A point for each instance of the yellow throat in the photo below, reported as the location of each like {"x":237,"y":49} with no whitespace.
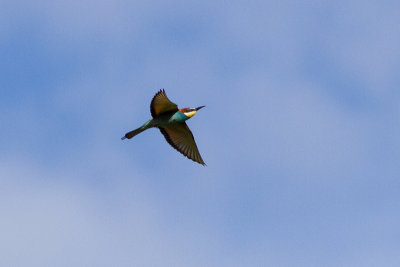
{"x":190,"y":114}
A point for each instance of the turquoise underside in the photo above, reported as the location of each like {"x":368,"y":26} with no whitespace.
{"x":166,"y":119}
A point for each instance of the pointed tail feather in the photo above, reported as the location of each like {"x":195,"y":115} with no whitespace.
{"x":131,"y":134}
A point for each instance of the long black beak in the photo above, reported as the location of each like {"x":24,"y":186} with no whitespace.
{"x":200,"y":107}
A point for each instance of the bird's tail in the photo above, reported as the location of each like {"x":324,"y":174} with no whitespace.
{"x":137,"y":131}
{"x":131,"y":134}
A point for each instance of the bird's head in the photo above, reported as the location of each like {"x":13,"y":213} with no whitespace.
{"x":189,"y":112}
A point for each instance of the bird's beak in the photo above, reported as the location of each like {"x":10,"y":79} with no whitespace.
{"x":200,"y":107}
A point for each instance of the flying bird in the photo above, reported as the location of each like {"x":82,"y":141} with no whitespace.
{"x":171,"y":122}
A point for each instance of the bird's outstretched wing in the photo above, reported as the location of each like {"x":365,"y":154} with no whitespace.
{"x":161,"y":104}
{"x":179,"y":136}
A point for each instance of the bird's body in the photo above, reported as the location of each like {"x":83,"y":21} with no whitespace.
{"x":168,"y":118}
{"x":171,"y":122}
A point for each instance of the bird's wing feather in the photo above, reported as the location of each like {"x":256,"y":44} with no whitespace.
{"x":179,"y":136}
{"x":161,"y":104}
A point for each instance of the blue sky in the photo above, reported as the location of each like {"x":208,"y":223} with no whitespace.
{"x":300,"y":133}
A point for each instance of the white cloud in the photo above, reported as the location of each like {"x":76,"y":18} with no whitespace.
{"x":285,"y":158}
{"x":51,"y":220}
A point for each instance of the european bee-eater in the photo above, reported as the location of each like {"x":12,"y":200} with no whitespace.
{"x":171,"y":122}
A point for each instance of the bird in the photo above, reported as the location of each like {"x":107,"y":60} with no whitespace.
{"x":171,"y":122}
